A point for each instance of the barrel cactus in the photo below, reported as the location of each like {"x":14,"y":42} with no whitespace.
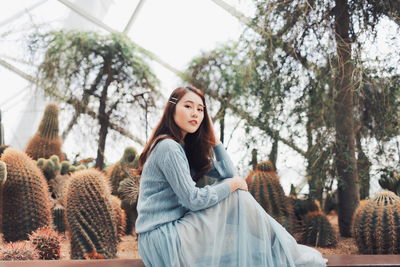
{"x":120,"y":216}
{"x":26,"y":205}
{"x":90,"y":216}
{"x":47,"y":243}
{"x":46,"y":142}
{"x":376,"y":225}
{"x":317,"y":230}
{"x":265,"y":166}
{"x":267,"y":190}
{"x":120,"y":170}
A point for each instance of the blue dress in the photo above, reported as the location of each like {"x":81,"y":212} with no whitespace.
{"x":182,"y":225}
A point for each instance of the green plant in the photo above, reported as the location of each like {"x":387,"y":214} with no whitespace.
{"x":376,"y":224}
{"x":90,"y":216}
{"x":46,"y":141}
{"x":18,"y":251}
{"x":26,"y":205}
{"x":267,"y":190}
{"x":47,"y":242}
{"x":120,"y":170}
{"x":317,"y":230}
{"x":303,"y":206}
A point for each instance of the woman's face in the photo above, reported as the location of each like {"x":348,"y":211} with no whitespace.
{"x":189,"y":113}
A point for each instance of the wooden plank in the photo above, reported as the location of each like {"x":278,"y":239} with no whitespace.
{"x":363,"y":260}
{"x":75,"y":263}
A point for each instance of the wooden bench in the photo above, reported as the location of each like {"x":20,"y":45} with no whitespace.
{"x":363,"y":260}
{"x":75,"y":263}
{"x":333,"y":261}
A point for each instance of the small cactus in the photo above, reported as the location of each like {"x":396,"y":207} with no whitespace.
{"x":18,"y":251}
{"x":376,"y":224}
{"x":120,"y":170}
{"x":317,"y":230}
{"x":47,"y":242}
{"x":390,"y":180}
{"x":90,"y":216}
{"x":46,"y":141}
{"x":128,"y":191}
{"x":59,"y":218}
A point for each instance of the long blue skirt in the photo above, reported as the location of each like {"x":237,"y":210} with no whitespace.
{"x":235,"y":232}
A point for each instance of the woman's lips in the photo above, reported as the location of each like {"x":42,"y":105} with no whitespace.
{"x":194,"y":123}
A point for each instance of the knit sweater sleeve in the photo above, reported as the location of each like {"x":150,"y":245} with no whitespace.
{"x":222,"y":165}
{"x":175,"y":167}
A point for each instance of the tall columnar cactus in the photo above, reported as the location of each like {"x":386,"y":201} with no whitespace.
{"x":317,"y":230}
{"x":47,"y":243}
{"x":121,"y":169}
{"x":376,"y":225}
{"x":267,"y":190}
{"x":90,"y":216}
{"x":46,"y":142}
{"x":26,"y":205}
{"x":59,"y":218}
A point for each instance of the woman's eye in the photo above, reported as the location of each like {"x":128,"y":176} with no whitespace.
{"x":187,"y":106}
{"x":200,"y":109}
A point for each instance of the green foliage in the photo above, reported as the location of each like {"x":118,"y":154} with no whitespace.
{"x":317,"y":230}
{"x":26,"y":200}
{"x":47,"y":242}
{"x":376,"y":224}
{"x":267,"y":190}
{"x":90,"y":216}
{"x":18,"y":251}
{"x":46,"y":141}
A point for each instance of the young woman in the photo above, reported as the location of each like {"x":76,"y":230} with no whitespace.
{"x":180,"y":224}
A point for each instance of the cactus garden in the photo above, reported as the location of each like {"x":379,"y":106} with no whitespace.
{"x":300,"y":99}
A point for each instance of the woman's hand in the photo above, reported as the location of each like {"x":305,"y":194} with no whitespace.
{"x":214,"y":140}
{"x":237,"y":183}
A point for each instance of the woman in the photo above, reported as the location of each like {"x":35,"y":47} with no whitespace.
{"x":180,"y":224}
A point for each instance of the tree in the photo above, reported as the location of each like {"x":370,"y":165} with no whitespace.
{"x":306,"y":57}
{"x":91,"y":71}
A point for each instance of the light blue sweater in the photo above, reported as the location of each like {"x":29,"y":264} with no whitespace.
{"x":167,"y":190}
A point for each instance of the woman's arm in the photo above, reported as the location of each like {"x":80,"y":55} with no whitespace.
{"x":222,"y":165}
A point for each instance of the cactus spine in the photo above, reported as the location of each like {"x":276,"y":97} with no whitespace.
{"x":59,"y":218}
{"x":46,"y":141}
{"x":376,"y":225}
{"x":90,"y":216}
{"x":26,"y":205}
{"x":317,"y":230}
{"x":267,"y":190}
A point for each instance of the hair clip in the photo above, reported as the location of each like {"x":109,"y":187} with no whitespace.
{"x":174,"y":100}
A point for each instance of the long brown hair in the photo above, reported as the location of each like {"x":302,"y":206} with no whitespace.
{"x":198,"y":145}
